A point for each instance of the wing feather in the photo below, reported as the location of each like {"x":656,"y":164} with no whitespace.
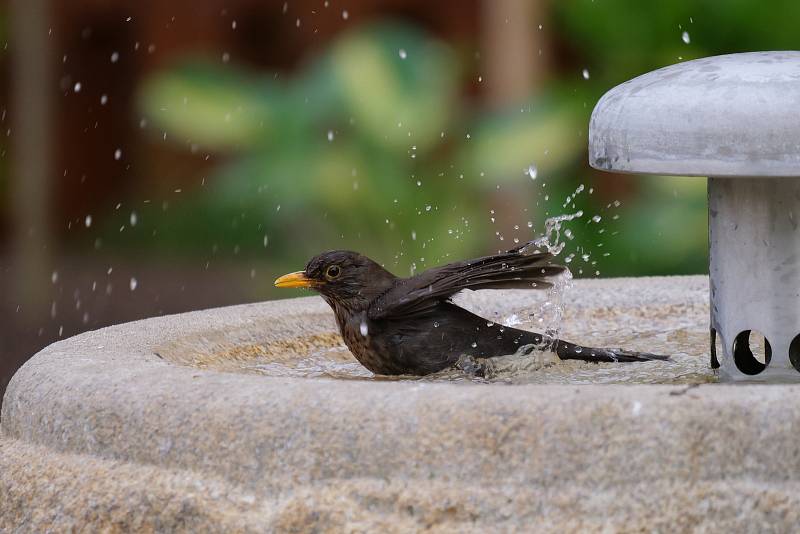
{"x":515,"y":269}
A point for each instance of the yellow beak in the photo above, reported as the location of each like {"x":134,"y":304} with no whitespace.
{"x":297,"y":279}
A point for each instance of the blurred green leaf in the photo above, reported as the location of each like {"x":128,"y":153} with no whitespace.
{"x":215,"y":107}
{"x":399,"y":85}
{"x":543,"y":136}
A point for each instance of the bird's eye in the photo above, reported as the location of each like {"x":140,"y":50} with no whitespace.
{"x":333,"y":272}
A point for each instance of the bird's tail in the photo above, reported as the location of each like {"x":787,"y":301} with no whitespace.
{"x":570,"y":351}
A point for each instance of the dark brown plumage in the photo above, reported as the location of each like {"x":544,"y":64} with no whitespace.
{"x":410,"y":326}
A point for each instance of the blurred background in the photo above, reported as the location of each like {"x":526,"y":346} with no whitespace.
{"x":164,"y":156}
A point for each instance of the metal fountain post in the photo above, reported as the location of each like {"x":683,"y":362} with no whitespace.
{"x":736,"y":120}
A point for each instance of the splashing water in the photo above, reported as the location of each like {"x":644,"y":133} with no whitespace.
{"x":549,"y":316}
{"x":551,"y":238}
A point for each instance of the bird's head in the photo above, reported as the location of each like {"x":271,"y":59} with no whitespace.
{"x":344,"y":278}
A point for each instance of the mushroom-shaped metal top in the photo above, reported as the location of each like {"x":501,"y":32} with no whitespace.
{"x":732,"y":115}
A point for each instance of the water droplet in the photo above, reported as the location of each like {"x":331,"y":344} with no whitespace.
{"x":114,"y":57}
{"x":685,"y":38}
{"x":77,"y":87}
{"x":88,"y":221}
{"x":118,"y":154}
{"x":134,"y":218}
{"x":133,"y":284}
{"x":435,"y":324}
{"x":474,"y":344}
{"x":402,"y":53}
{"x":363,"y":329}
{"x":103,"y":100}
{"x":54,"y":277}
{"x":596,"y":218}
{"x":585,"y":74}
{"x":533,"y":172}
{"x":330,"y":135}
{"x":345,"y":15}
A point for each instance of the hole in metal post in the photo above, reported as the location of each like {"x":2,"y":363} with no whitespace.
{"x":794,"y":352}
{"x":751,"y":352}
{"x":716,"y":348}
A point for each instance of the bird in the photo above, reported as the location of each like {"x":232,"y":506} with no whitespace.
{"x":411,"y":326}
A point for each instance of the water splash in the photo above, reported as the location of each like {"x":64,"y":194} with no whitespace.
{"x":550,"y":314}
{"x":550,"y":240}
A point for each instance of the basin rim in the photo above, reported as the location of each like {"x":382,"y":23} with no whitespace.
{"x":106,"y":394}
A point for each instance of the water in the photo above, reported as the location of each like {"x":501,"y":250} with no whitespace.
{"x":535,"y":367}
{"x":675,"y":329}
{"x":551,"y":238}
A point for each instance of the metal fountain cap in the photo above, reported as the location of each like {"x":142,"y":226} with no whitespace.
{"x":735,"y":119}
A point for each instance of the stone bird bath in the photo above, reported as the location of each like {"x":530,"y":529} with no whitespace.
{"x":221,"y":420}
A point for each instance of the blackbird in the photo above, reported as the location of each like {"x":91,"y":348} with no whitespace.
{"x":411,"y":326}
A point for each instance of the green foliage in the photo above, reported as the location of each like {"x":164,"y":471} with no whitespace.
{"x":372,"y":146}
{"x":369,"y":147}
{"x":620,"y":39}
{"x":212,"y":106}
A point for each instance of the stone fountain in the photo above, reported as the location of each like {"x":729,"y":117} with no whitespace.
{"x":208,"y":421}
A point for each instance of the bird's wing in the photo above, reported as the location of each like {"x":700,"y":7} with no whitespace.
{"x":515,"y":269}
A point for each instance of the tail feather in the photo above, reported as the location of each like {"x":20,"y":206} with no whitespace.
{"x":569,"y":351}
